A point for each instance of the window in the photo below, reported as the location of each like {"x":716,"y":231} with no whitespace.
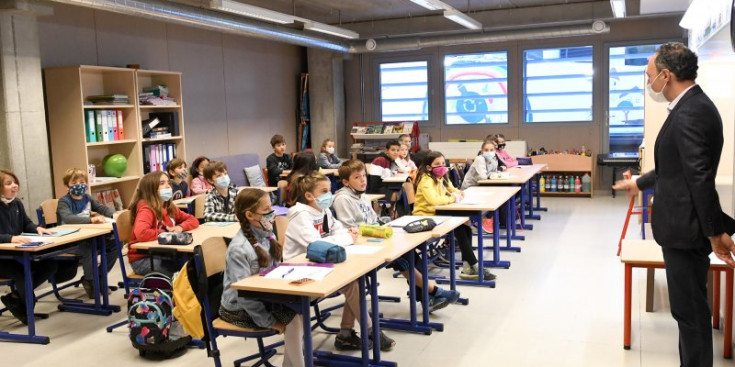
{"x":476,"y":88}
{"x":626,"y":87}
{"x":404,"y":91}
{"x":558,"y":84}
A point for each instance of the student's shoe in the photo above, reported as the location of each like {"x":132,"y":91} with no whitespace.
{"x":487,"y":275}
{"x":386,"y":343}
{"x":352,"y":342}
{"x":450,"y":295}
{"x":437,"y":302}
{"x":469,"y":273}
{"x":16,"y":307}
{"x":88,"y":287}
{"x":487,"y":225}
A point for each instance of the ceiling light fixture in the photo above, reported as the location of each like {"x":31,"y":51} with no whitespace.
{"x":329,"y":29}
{"x":618,"y":8}
{"x":251,"y":11}
{"x":462,"y":19}
{"x":432,"y":4}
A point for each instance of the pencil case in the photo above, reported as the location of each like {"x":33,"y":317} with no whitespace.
{"x":325,"y":252}
{"x":176,"y":239}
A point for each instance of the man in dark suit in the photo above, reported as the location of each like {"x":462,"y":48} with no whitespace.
{"x":687,"y":220}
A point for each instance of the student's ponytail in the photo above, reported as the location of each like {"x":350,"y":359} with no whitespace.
{"x":247,"y":201}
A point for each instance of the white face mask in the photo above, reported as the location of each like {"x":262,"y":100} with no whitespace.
{"x":656,"y":96}
{"x":488,"y":155}
{"x":6,"y":201}
{"x":330,"y":150}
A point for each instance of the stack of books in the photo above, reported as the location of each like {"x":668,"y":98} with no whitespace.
{"x":110,"y":198}
{"x":109,"y":99}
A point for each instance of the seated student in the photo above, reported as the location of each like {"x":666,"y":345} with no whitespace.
{"x":327,"y":159}
{"x":352,"y":208}
{"x":278,"y":161}
{"x":485,"y":163}
{"x":385,"y":163}
{"x":199,"y":185}
{"x":252,"y":249}
{"x":78,"y":207}
{"x":219,"y":205}
{"x":404,"y":162}
{"x":503,"y":155}
{"x":153,"y":213}
{"x":405,"y":139}
{"x":176,"y":169}
{"x":433,"y":188}
{"x":310,"y":220}
{"x":303,"y":164}
{"x":13,"y":222}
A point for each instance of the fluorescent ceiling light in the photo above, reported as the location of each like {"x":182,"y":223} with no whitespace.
{"x":432,"y":4}
{"x":251,"y":11}
{"x":462,"y":19}
{"x":329,"y":29}
{"x":618,"y":8}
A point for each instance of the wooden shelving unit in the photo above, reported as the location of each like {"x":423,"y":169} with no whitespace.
{"x":566,"y":165}
{"x":371,"y":144}
{"x":67,"y":89}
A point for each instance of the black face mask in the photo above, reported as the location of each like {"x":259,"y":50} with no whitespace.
{"x":501,"y":146}
{"x":358,"y":192}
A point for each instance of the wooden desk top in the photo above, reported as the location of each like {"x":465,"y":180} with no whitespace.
{"x":82,"y":234}
{"x":448,"y":226}
{"x":343,"y":274}
{"x":483,"y":198}
{"x":396,"y":179}
{"x":264,"y":188}
{"x":105,"y":226}
{"x":374,"y":197}
{"x":648,"y":252}
{"x":518,"y":175}
{"x":200,"y":233}
{"x":183,"y":203}
{"x":326,"y":172}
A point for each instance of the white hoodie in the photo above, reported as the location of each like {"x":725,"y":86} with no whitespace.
{"x":306,"y":225}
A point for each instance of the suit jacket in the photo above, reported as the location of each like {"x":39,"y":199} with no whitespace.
{"x":686,"y":208}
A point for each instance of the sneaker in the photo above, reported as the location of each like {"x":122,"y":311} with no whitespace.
{"x":352,"y":342}
{"x":487,"y":275}
{"x":88,"y":287}
{"x":450,"y":295}
{"x":386,"y":343}
{"x":469,"y":273}
{"x":487,"y":225}
{"x":16,"y":307}
{"x":437,"y":302}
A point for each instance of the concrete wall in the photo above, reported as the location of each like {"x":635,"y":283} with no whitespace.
{"x":237,"y":91}
{"x":363,"y":104}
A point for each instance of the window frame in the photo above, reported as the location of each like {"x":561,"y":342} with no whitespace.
{"x":377,"y":91}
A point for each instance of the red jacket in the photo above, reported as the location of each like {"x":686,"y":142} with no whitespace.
{"x":147,"y":227}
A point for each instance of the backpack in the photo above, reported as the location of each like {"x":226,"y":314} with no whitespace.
{"x":188,"y":310}
{"x":150,"y":316}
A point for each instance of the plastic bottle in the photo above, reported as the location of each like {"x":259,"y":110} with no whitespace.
{"x":570,"y":184}
{"x":548,"y":183}
{"x":553,"y":183}
{"x":584,"y":150}
{"x":577,"y":184}
{"x":586,"y":182}
{"x":565,"y":184}
{"x":542,"y":184}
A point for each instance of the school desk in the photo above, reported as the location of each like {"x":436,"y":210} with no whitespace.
{"x":479,"y":201}
{"x":60,"y":245}
{"x":374,"y":197}
{"x":354,"y":268}
{"x":200,"y":234}
{"x":648,"y":254}
{"x":324,"y":171}
{"x":527,"y":178}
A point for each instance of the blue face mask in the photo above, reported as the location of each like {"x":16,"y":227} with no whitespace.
{"x":78,"y":189}
{"x":324,"y":201}
{"x":222,"y":182}
{"x":165,"y":194}
{"x":488,"y":155}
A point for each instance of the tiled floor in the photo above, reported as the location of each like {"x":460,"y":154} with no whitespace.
{"x":560,"y":304}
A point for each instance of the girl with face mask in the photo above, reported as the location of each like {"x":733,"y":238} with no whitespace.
{"x":433,"y":189}
{"x":219,"y":204}
{"x":309,"y":220}
{"x":152,"y":213}
{"x":484,"y":164}
{"x":253,"y":249}
{"x":327,"y":159}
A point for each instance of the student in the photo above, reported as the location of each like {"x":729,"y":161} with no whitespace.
{"x":503,"y":155}
{"x":255,"y":248}
{"x":433,"y":188}
{"x":219,"y":205}
{"x":303,"y":164}
{"x":404,"y":162}
{"x":353,"y":208}
{"x":279,"y":161}
{"x":485,"y":163}
{"x":405,"y":139}
{"x":385,"y":163}
{"x":176,"y":169}
{"x":13,"y":222}
{"x":78,"y":207}
{"x":327,"y":159}
{"x":199,"y":185}
{"x":310,"y":220}
{"x":152,"y":213}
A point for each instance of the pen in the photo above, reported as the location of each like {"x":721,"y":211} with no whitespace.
{"x":288,"y":272}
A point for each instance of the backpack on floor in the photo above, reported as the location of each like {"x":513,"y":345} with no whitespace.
{"x":150,"y":317}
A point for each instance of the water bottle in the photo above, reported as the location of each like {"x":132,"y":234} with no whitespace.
{"x":571,"y":183}
{"x":91,"y":173}
{"x":586,"y":183}
{"x":565,"y":184}
{"x":553,"y":183}
{"x":577,"y":184}
{"x":548,"y":183}
{"x":542,"y":184}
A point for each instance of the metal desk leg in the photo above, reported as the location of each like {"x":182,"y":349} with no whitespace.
{"x":523,"y":211}
{"x":627,"y":306}
{"x":509,"y":230}
{"x":306,"y":315}
{"x":31,"y":337}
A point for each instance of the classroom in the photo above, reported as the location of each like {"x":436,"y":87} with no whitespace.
{"x":370,"y":183}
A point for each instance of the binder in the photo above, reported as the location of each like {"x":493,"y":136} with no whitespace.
{"x":169,"y":120}
{"x":98,"y":121}
{"x":146,"y":159}
{"x":120,"y":130}
{"x":171,"y":151}
{"x":153,"y":158}
{"x":159,"y":158}
{"x":113,"y":118}
{"x":111,"y":125}
{"x":90,"y":126}
{"x":105,"y":126}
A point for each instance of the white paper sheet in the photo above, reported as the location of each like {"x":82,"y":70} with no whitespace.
{"x":362,"y":249}
{"x":295,"y":272}
{"x":402,"y":221}
{"x":39,"y":239}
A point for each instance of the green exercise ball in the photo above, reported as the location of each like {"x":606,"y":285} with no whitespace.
{"x":114,"y":165}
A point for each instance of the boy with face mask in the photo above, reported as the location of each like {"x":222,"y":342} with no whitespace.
{"x":219,"y":205}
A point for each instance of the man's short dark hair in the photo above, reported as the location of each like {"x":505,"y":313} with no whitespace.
{"x":679,"y":59}
{"x":391,"y":143}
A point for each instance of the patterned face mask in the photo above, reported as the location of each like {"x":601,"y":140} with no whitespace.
{"x":78,"y":189}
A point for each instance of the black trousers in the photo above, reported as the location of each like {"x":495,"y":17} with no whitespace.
{"x":41,"y":271}
{"x":686,"y":274}
{"x":463,"y":240}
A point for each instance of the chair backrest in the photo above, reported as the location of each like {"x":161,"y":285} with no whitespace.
{"x":282,"y":185}
{"x":281,"y":225}
{"x":214,"y":251}
{"x":199,"y":206}
{"x":409,"y":193}
{"x":265,"y":175}
{"x":124,"y":226}
{"x":48,"y":211}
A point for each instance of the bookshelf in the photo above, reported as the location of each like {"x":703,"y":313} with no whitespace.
{"x":67,"y":90}
{"x":369,"y":138}
{"x":566,"y":165}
